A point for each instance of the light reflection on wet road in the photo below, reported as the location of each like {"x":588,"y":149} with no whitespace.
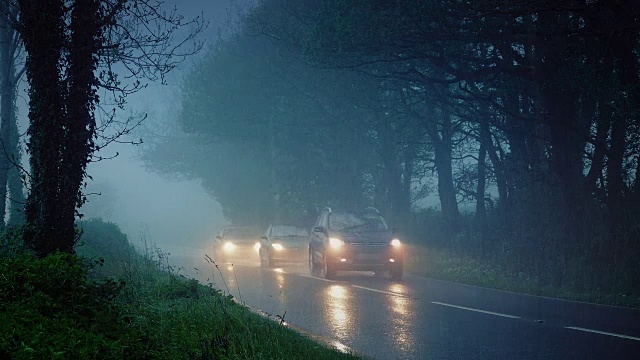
{"x":338,"y":300}
{"x":384,"y":319}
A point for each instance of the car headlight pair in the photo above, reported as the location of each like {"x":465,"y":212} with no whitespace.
{"x":230,"y":247}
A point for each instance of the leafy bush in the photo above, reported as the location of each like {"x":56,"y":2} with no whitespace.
{"x":49,"y":309}
{"x":11,"y":241}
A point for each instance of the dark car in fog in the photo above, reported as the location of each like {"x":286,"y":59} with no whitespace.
{"x":283,"y":244}
{"x":234,"y":243}
{"x":349,"y":240}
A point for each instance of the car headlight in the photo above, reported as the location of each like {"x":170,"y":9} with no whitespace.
{"x":277,"y":247}
{"x":228,"y":246}
{"x":395,"y":243}
{"x":256,"y":247}
{"x":336,"y":243}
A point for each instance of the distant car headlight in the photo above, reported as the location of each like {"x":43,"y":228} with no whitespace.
{"x":395,"y":243}
{"x":256,"y":247}
{"x":277,"y":247}
{"x":228,"y":246}
{"x":336,"y":243}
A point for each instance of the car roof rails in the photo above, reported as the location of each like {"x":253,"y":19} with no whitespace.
{"x":371,"y":210}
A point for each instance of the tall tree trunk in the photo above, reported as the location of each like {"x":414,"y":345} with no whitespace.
{"x":627,"y":64}
{"x":480,"y":190}
{"x":42,"y":24}
{"x":17,"y":197}
{"x":603,"y":124}
{"x":495,"y":155}
{"x":407,"y":178}
{"x":15,"y":186}
{"x":394,"y":176}
{"x":442,"y":140}
{"x":636,"y":181}
{"x":80,"y":120}
{"x":7,"y":74}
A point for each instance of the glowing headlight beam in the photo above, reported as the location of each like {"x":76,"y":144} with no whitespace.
{"x":229,"y":246}
{"x":277,"y":247}
{"x":336,"y":243}
{"x":395,"y":243}
{"x":256,"y":247}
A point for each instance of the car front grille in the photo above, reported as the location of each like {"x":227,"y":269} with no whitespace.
{"x":372,"y":244}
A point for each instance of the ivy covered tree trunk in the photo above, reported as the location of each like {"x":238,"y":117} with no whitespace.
{"x":61,"y":115}
{"x":42,"y":25}
{"x":80,"y":121}
{"x":65,"y":41}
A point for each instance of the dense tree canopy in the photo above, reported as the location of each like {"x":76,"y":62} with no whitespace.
{"x":527,"y":110}
{"x":271,"y":128}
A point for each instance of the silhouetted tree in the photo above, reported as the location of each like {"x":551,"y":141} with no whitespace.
{"x":72,"y":49}
{"x":10,"y":154}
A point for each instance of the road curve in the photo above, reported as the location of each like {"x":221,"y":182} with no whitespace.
{"x":421,"y":318}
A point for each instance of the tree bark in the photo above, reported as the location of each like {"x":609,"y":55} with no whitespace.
{"x":481,"y":186}
{"x":442,"y":140}
{"x":7,"y":74}
{"x":42,"y":27}
{"x":603,"y":124}
{"x":80,"y":121}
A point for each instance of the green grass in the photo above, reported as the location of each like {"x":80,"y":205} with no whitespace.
{"x":443,"y":265}
{"x":68,"y":307}
{"x":197,"y":322}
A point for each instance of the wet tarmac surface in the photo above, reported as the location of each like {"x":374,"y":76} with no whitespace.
{"x":421,"y":318}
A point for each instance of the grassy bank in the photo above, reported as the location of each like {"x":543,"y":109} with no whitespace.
{"x":445,"y":265}
{"x":128,"y":305}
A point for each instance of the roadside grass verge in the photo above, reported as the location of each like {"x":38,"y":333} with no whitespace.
{"x":444,"y":265}
{"x":111,"y":302}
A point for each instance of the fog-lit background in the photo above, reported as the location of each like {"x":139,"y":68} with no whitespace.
{"x":165,"y":210}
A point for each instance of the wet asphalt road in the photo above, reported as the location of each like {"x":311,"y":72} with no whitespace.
{"x":420,"y":318}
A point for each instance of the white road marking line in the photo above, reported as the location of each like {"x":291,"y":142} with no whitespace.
{"x":602,"y":333}
{"x":477,"y":310}
{"x":313,"y":277}
{"x":381,"y":291}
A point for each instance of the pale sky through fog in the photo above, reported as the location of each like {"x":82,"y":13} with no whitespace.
{"x":174,"y":212}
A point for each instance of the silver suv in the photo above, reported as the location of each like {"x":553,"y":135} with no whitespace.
{"x":347,"y":240}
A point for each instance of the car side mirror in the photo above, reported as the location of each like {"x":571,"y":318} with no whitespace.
{"x":263,"y":237}
{"x":218,"y":237}
{"x":319,"y":229}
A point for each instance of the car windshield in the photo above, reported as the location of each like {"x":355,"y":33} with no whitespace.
{"x":240,"y":233}
{"x":288,"y":231}
{"x":346,"y":221}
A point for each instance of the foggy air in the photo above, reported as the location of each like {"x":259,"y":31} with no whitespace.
{"x":319,"y":179}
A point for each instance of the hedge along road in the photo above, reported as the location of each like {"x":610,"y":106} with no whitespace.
{"x":421,"y":318}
